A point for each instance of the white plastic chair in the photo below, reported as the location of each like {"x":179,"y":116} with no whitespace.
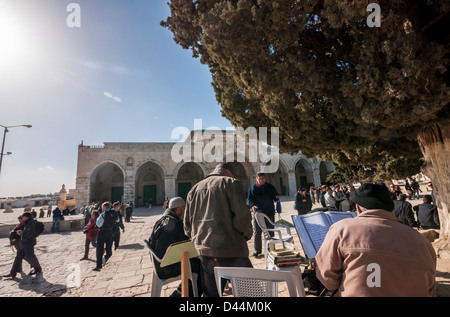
{"x":261,"y":219}
{"x":251,"y":282}
{"x":158,"y":283}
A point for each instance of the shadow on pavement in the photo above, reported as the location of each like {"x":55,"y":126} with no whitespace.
{"x":40,"y":285}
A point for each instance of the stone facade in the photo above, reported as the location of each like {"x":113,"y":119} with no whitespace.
{"x":136,"y":172}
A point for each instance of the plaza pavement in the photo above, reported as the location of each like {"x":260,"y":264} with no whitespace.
{"x":128,"y":272}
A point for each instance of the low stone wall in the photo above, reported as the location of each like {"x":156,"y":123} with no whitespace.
{"x":69,"y":224}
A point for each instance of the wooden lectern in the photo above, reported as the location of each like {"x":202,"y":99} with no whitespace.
{"x":181,"y":252}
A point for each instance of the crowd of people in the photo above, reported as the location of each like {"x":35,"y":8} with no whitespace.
{"x":216,"y":218}
{"x":219,"y":217}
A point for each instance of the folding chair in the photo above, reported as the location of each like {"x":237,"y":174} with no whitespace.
{"x":158,"y":283}
{"x":251,"y":282}
{"x":261,"y":219}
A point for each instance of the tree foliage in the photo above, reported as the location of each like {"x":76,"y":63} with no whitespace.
{"x":334,"y":86}
{"x":395,"y":168}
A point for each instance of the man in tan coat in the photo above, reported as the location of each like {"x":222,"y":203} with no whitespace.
{"x":376,"y":254}
{"x":218,"y":222}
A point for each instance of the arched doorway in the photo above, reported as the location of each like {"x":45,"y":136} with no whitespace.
{"x":279,"y":179}
{"x":240,"y":173}
{"x":326,"y":168}
{"x":107,"y":183}
{"x":149,"y":184}
{"x":304,"y":174}
{"x":188,"y":175}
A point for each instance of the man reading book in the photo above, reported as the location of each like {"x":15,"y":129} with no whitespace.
{"x":376,"y":254}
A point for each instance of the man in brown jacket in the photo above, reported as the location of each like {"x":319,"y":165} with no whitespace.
{"x":376,"y":254}
{"x":218,"y":222}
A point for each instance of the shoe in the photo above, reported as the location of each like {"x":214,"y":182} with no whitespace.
{"x":256,"y":253}
{"x":34,"y":272}
{"x":97,"y":269}
{"x":83,"y":258}
{"x":10,"y":275}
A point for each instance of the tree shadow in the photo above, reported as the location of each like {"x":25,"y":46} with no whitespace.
{"x":40,"y":285}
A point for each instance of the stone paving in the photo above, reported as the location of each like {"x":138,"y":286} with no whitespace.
{"x":128,"y":272}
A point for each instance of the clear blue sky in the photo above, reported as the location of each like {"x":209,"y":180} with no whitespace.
{"x":120,"y":77}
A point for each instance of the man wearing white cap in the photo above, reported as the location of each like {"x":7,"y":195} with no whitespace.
{"x":168,"y":230}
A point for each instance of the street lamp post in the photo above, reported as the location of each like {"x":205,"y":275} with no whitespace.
{"x":4,"y":137}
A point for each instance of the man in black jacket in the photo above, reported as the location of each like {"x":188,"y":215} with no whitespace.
{"x":168,"y":230}
{"x":403,"y":211}
{"x":261,"y":198}
{"x":303,"y":203}
{"x":117,"y":226}
{"x":427,"y":214}
{"x":347,"y":204}
{"x":26,"y":247}
{"x":106,"y":223}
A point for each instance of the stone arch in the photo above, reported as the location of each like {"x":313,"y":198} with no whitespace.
{"x":304,"y":173}
{"x":201,"y":165}
{"x":279,"y":179}
{"x":244,"y":172}
{"x":107,"y":182}
{"x":149,"y":184}
{"x":325,"y":168}
{"x":187,"y":175}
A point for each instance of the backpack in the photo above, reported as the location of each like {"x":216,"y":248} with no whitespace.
{"x":39,"y":228}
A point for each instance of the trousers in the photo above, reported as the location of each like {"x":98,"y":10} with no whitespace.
{"x":104,"y":242}
{"x":27,"y":254}
{"x":208,"y":278}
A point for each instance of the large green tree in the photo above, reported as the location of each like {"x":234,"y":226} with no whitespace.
{"x":336,"y":87}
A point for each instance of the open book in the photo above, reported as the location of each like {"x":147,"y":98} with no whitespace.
{"x":313,"y":227}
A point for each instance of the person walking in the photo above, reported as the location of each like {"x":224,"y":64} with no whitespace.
{"x":26,"y":248}
{"x":416,"y":189}
{"x":118,"y":225}
{"x":261,"y":198}
{"x":91,"y":232}
{"x":128,"y":213}
{"x":218,"y":222}
{"x":14,"y":237}
{"x":375,"y":254}
{"x":49,"y":211}
{"x":105,"y":235}
{"x":56,"y":219}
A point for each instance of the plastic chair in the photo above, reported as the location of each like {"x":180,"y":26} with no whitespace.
{"x":158,"y":283}
{"x":261,"y":219}
{"x":251,"y":282}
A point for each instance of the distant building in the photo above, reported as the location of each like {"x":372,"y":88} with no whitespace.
{"x":136,"y":172}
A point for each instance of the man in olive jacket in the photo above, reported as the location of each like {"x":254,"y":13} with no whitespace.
{"x":218,"y":221}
